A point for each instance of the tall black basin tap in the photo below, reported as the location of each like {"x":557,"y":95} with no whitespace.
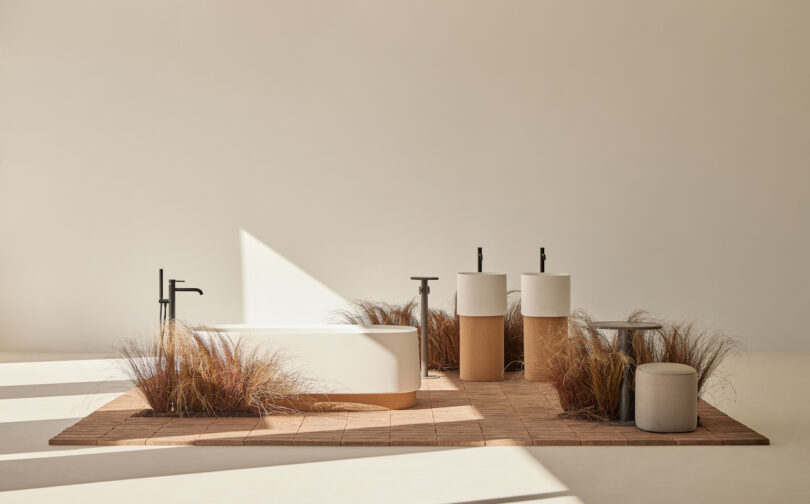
{"x":173,"y":290}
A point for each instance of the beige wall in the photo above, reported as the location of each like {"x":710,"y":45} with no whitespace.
{"x":659,"y":150}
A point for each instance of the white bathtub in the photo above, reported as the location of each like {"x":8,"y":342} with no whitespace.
{"x":367,"y":364}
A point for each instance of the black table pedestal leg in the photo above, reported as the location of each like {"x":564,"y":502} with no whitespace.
{"x":626,"y":402}
{"x":626,"y":329}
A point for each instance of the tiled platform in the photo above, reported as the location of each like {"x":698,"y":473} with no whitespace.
{"x":449,"y":412}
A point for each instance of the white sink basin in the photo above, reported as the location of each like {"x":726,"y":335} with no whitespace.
{"x":545,"y":295}
{"x":481,"y":294}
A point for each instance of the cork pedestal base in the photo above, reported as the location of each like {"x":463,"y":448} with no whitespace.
{"x":541,"y":335}
{"x":481,"y":353}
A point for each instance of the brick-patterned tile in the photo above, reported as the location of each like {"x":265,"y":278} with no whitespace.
{"x":596,"y":438}
{"x":542,"y":424}
{"x":413,"y":435}
{"x":276,"y":430}
{"x":227,"y":438}
{"x":317,"y":439}
{"x":270,"y":440}
{"x":639,"y":437}
{"x":448,"y":412}
{"x":505,"y":440}
{"x":227,"y":432}
{"x":180,"y":431}
{"x":134,"y":431}
{"x":129,"y":438}
{"x":413,"y":441}
{"x":280,"y":422}
{"x":172,"y":439}
{"x":367,"y":433}
{"x":348,"y":440}
{"x":376,"y":418}
{"x":460,"y":441}
{"x":551,"y":438}
{"x":700,"y":436}
{"x":748,"y":437}
{"x":73,"y":440}
{"x":314,"y":424}
{"x":756,"y":439}
{"x":410,"y":417}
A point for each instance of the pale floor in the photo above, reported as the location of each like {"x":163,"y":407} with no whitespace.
{"x":42,"y":394}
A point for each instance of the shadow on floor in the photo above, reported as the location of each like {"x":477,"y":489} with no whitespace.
{"x":142,"y":462}
{"x":32,"y":436}
{"x":63,"y":389}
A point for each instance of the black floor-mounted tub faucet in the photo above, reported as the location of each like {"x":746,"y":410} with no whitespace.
{"x":169,"y":306}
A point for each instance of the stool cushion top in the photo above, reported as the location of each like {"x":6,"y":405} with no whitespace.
{"x":666,"y":368}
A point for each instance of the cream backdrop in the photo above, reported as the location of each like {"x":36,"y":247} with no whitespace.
{"x":285,"y":156}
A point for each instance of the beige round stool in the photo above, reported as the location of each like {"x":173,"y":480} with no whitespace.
{"x":666,"y":397}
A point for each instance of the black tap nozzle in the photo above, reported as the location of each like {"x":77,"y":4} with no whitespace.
{"x":189,"y":289}
{"x":173,"y":290}
{"x":542,"y":259}
{"x":480,"y":259}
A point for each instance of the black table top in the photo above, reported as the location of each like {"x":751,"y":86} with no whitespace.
{"x":624,"y":325}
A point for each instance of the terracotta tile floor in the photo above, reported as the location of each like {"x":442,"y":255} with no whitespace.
{"x":448,"y":412}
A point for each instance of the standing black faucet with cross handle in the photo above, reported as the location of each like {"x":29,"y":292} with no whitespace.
{"x":424,"y":331}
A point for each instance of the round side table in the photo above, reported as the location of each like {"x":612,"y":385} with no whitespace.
{"x":624,"y":330}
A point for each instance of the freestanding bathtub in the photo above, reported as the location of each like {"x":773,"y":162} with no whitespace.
{"x":376,"y":365}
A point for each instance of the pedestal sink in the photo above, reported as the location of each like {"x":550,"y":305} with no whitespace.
{"x":481,"y":306}
{"x":545,"y":305}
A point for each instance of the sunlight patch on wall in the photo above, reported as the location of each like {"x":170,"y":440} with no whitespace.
{"x":276,"y":291}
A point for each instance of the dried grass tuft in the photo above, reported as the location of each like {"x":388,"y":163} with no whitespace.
{"x":443,"y":343}
{"x":586,"y":368}
{"x":513,"y":333}
{"x":185,"y":372}
{"x":684,"y":342}
{"x":367,"y":313}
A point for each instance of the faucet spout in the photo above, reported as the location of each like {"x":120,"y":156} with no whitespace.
{"x":173,"y":290}
{"x":189,"y":289}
